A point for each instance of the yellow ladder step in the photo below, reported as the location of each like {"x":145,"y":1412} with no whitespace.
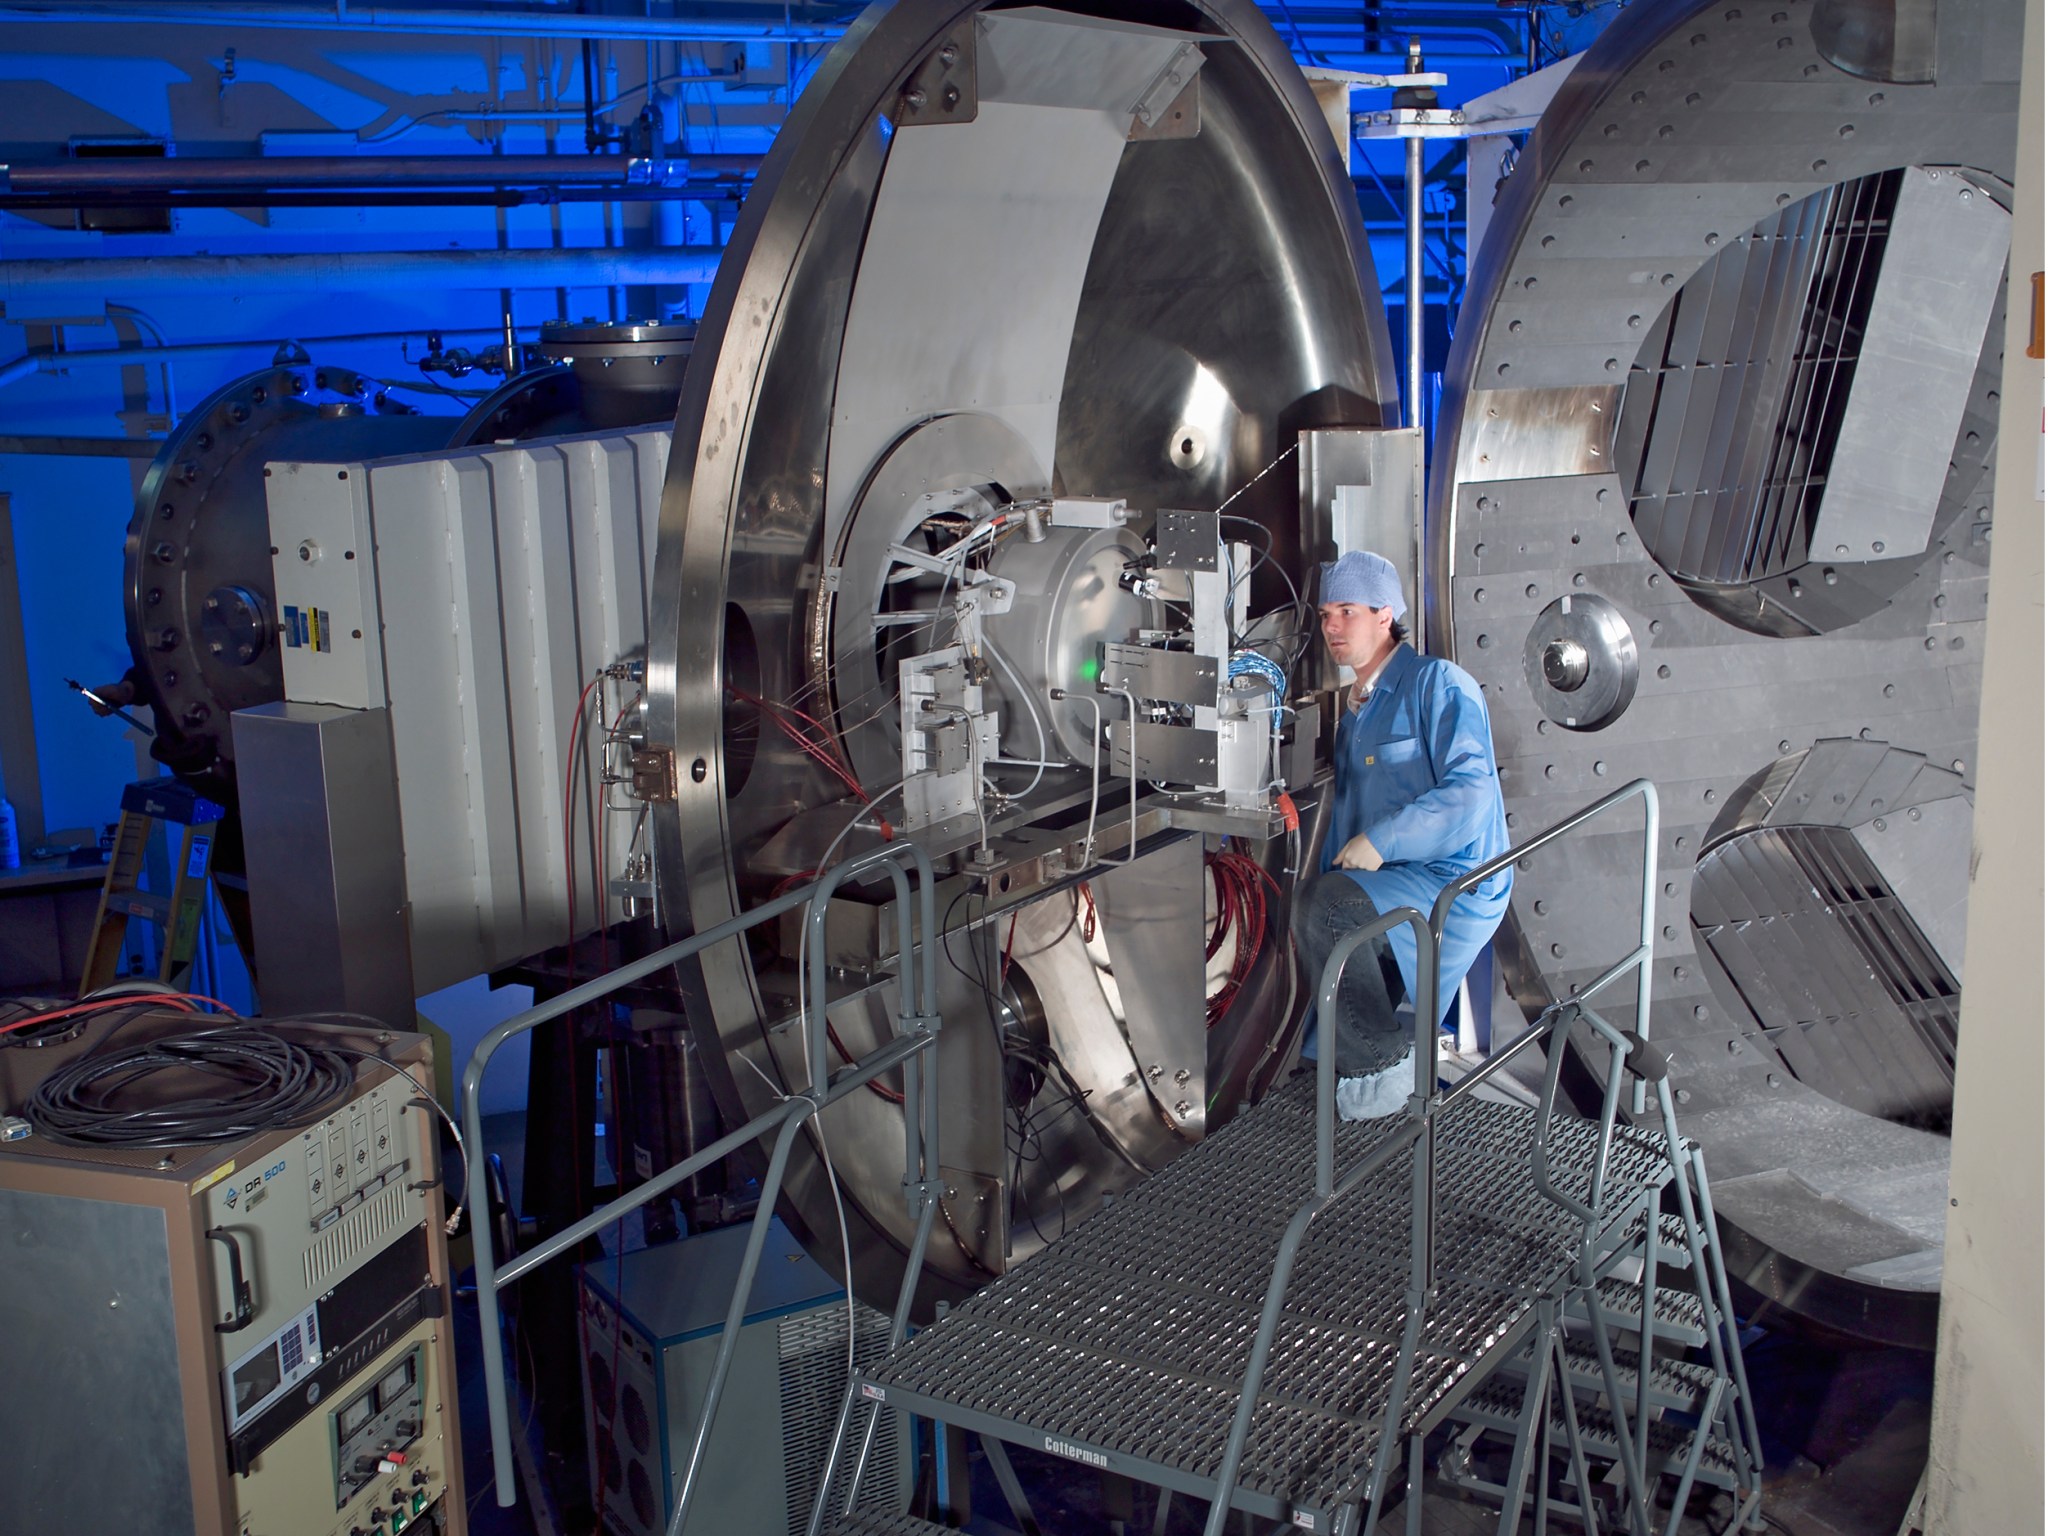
{"x":177,"y":912}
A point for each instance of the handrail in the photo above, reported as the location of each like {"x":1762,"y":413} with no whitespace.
{"x":1420,"y":1115}
{"x":1330,"y":1185}
{"x":917,"y":1029}
{"x":1326,"y":1008}
{"x":1639,"y":957}
{"x":1560,"y":1016}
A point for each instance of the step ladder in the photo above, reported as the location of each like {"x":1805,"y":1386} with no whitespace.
{"x":178,"y":913}
{"x":1258,"y":1330}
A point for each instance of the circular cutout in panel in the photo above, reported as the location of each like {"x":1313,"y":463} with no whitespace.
{"x":745,"y":716}
{"x":1580,"y":662}
{"x":640,"y":1490}
{"x":1792,"y":436}
{"x":602,"y":1386}
{"x":1827,"y":909}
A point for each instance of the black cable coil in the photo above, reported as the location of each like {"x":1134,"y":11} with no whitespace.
{"x":252,"y":1080}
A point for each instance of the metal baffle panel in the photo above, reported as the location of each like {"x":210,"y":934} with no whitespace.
{"x":494,"y":583}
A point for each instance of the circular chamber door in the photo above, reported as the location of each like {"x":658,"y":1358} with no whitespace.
{"x":1712,"y":507}
{"x":201,"y":598}
{"x":997,"y":261}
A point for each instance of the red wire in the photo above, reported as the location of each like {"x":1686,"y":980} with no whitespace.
{"x":178,"y":1000}
{"x":569,"y":811}
{"x":819,"y":751}
{"x":600,"y":850}
{"x":1241,"y":907}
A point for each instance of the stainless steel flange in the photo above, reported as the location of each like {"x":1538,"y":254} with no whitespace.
{"x":993,"y":255}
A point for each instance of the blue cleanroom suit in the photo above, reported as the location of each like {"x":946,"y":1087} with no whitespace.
{"x":1416,"y":775}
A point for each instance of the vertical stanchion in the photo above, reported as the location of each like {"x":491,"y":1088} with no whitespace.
{"x":1413,"y":148}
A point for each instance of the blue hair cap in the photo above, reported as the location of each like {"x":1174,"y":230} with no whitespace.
{"x":1366,"y":579}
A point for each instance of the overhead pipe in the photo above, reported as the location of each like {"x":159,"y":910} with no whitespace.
{"x":82,"y":447}
{"x":362,"y":271}
{"x":347,"y":17}
{"x":282,"y":349}
{"x":116,"y":176}
{"x":371,"y":197}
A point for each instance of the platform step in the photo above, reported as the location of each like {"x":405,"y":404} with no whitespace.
{"x":1679,"y":1316}
{"x":1674,"y":1384}
{"x":1672,"y":1252}
{"x":1497,"y":1406}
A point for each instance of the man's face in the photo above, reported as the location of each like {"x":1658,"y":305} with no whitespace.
{"x":1355,"y":633}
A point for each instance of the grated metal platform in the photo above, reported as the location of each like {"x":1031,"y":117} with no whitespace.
{"x":1124,"y":1345}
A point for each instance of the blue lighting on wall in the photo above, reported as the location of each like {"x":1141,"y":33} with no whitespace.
{"x":687,"y":97}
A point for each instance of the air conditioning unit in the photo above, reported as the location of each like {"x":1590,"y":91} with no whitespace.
{"x":651,"y":1324}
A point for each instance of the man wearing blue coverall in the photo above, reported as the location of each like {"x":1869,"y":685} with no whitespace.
{"x":1417,"y":804}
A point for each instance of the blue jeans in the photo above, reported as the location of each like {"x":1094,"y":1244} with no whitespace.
{"x":1368,"y":1037}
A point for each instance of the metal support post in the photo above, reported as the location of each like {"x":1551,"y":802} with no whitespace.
{"x":1589,"y":1515}
{"x":1532,"y":1442}
{"x":1412,"y":149}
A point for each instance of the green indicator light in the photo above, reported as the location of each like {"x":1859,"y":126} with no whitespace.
{"x":1091,"y":669}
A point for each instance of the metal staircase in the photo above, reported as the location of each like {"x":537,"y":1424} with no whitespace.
{"x":1276,"y":1321}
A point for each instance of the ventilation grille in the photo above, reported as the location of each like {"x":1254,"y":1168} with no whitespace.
{"x":813,"y":1350}
{"x":360,"y":1231}
{"x":1735,"y":403}
{"x":1833,"y":969}
{"x":626,"y":1440}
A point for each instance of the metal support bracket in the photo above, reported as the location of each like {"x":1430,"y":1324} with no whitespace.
{"x":1179,"y":72}
{"x":942,"y":89}
{"x":1415,"y":123}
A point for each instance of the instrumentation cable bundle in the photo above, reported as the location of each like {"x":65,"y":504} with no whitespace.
{"x":243,"y":1080}
{"x":1241,"y":884}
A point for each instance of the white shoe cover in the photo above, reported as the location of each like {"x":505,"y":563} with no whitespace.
{"x":1376,"y":1095}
